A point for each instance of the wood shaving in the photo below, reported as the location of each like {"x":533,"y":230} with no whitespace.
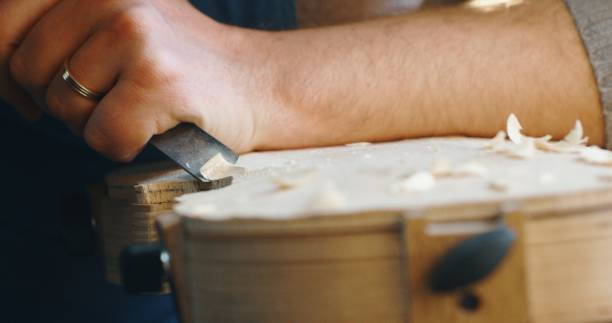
{"x":471,"y":169}
{"x":596,"y":156}
{"x":418,"y":182}
{"x":498,"y":142}
{"x":575,"y":136}
{"x":217,"y":168}
{"x":525,"y":150}
{"x":546,"y":138}
{"x":573,"y":141}
{"x":513,"y":127}
{"x":547,"y":145}
{"x":499,"y":185}
{"x":558,"y":147}
{"x":328,"y":198}
{"x":294,"y":180}
{"x":441,"y":167}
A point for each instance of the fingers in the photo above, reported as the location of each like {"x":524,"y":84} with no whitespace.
{"x":18,"y":16}
{"x":124,"y":121}
{"x":51,"y":41}
{"x":16,"y":19}
{"x":93,"y":66}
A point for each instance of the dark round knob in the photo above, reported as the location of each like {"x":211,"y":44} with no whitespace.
{"x":471,"y":260}
{"x":469,"y":301}
{"x":143,"y":268}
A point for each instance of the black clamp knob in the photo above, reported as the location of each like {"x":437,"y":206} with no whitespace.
{"x":143,"y":268}
{"x":471,"y":260}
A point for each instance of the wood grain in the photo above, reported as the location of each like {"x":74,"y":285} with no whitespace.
{"x":127,"y":207}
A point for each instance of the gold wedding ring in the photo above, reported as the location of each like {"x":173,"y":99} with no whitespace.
{"x":79,"y":88}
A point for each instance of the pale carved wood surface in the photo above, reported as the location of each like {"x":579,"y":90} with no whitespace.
{"x":365,"y":176}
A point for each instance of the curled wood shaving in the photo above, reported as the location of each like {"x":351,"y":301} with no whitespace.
{"x":525,"y":150}
{"x":217,"y":168}
{"x":471,"y":169}
{"x":418,"y":182}
{"x":596,"y":156}
{"x":328,"y":198}
{"x":513,"y":127}
{"x":497,"y":143}
{"x":575,"y":136}
{"x":441,"y":167}
{"x":545,"y":144}
{"x":573,"y":141}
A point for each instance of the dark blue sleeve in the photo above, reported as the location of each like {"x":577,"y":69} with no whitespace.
{"x":260,"y":14}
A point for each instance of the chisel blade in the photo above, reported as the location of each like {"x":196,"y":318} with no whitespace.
{"x":190,"y":147}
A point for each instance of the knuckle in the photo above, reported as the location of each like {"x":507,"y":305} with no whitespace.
{"x":130,"y":24}
{"x":158,"y":71}
{"x":25,"y":75}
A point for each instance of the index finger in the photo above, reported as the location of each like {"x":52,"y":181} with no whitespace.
{"x":17,"y":17}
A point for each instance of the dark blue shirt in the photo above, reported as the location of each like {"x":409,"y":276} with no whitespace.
{"x":51,"y":270}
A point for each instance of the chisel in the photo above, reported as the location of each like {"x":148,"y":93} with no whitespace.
{"x":190,"y":147}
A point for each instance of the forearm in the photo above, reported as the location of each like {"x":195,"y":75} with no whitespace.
{"x":433,"y":73}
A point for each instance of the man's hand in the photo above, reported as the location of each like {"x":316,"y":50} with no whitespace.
{"x":159,"y":62}
{"x":16,"y":19}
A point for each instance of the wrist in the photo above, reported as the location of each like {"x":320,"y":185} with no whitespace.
{"x":264,"y":88}
{"x":237,"y":86}
{"x":279,"y":121}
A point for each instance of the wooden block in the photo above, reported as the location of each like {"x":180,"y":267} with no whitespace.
{"x":155,"y":183}
{"x":502,"y":295}
{"x":125,"y":209}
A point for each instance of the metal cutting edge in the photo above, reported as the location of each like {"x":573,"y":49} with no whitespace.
{"x":190,"y":147}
